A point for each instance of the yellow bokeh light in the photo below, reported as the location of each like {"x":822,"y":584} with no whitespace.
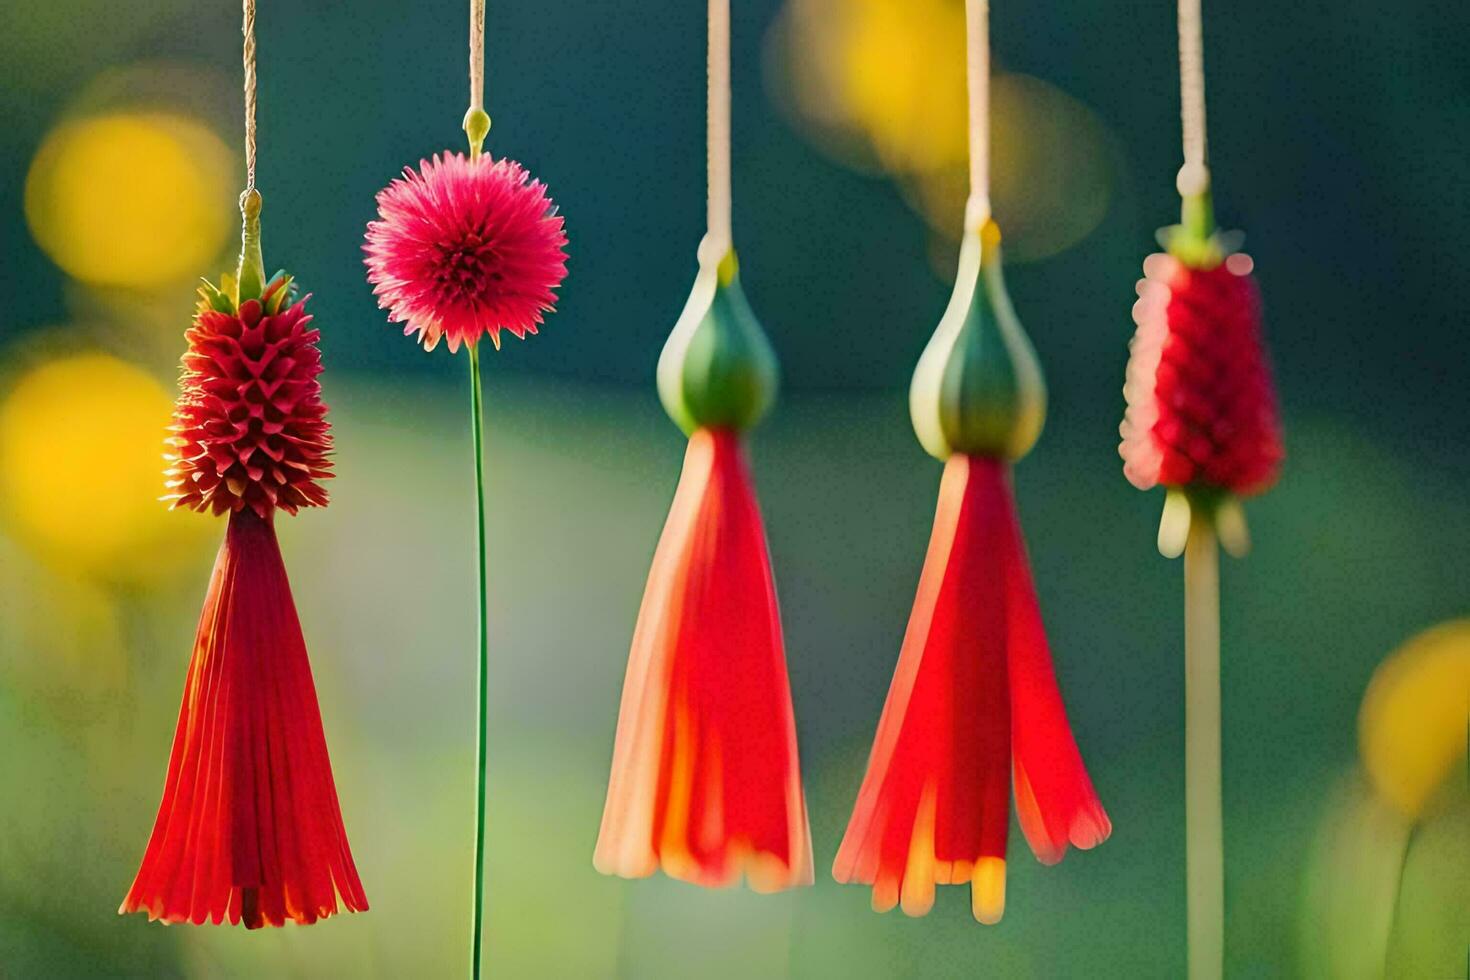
{"x":81,"y":444}
{"x":1412,"y":728}
{"x":130,"y":199}
{"x":883,"y":82}
{"x":903,"y":81}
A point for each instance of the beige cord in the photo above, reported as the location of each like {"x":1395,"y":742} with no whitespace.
{"x":718,"y":240}
{"x":247,"y":28}
{"x":477,"y":54}
{"x":1194,"y":176}
{"x":977,"y":62}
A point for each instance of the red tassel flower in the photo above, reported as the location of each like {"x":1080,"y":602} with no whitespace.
{"x":249,"y":829}
{"x":705,"y":781}
{"x":974,"y":709}
{"x":1201,"y":404}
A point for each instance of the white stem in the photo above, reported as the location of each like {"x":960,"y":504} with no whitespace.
{"x":977,"y":61}
{"x":718,"y":239}
{"x":1204,"y":831}
{"x":1194,"y":176}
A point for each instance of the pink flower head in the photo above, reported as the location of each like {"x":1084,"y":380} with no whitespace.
{"x":464,"y":247}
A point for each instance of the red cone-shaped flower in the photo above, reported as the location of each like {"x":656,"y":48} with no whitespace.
{"x":705,"y":780}
{"x":249,"y":829}
{"x":250,"y":429}
{"x":1201,"y":405}
{"x":973,"y":709}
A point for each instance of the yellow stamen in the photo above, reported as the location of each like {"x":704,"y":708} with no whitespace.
{"x":988,"y":890}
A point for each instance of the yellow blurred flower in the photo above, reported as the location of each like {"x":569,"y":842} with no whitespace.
{"x":1412,"y":727}
{"x":130,"y":199}
{"x":903,"y":80}
{"x":81,"y":444}
{"x":880,"y":84}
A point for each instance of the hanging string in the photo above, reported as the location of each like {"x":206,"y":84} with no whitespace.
{"x":977,"y":62}
{"x":247,"y":28}
{"x":1194,"y":176}
{"x":477,"y":54}
{"x":718,"y":136}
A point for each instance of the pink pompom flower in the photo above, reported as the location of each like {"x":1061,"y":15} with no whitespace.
{"x":463,"y":247}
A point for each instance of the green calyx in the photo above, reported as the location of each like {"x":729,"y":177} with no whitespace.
{"x":978,"y":387}
{"x":1195,"y":241}
{"x":248,"y":280}
{"x":476,"y":127}
{"x":717,"y":369}
{"x":250,"y":275}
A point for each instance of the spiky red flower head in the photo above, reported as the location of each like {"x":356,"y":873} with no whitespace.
{"x":466,"y":247}
{"x":250,"y":430}
{"x":705,"y":778}
{"x":1201,"y":404}
{"x":249,"y":829}
{"x":973,"y":707}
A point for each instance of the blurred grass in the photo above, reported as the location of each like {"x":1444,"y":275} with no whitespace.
{"x":580,"y":477}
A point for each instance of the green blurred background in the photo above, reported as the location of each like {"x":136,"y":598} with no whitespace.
{"x":1338,"y":141}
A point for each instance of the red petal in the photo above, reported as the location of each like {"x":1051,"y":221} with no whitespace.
{"x":705,"y":778}
{"x":249,"y":828}
{"x":934,"y":804}
{"x":1055,"y":801}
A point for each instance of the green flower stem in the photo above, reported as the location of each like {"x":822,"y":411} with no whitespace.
{"x":478,"y":426}
{"x":1204,"y":832}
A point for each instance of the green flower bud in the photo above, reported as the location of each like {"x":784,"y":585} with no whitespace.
{"x":978,"y":387}
{"x":717,"y":369}
{"x":250,"y":275}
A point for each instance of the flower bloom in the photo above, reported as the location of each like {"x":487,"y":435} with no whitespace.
{"x":973,"y":709}
{"x":249,"y":828}
{"x":250,"y":429}
{"x":1201,"y":404}
{"x":464,"y":247}
{"x":705,"y":778}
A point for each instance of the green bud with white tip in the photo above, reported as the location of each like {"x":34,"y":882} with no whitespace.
{"x":978,"y":388}
{"x":717,"y":369}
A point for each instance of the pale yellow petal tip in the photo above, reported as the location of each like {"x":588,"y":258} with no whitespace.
{"x":988,"y":890}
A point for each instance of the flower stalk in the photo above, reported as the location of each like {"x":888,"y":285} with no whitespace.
{"x":482,"y":682}
{"x":1204,"y":831}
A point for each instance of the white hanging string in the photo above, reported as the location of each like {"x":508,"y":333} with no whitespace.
{"x":477,"y":54}
{"x":1194,"y":176}
{"x":977,"y":62}
{"x":247,"y":28}
{"x":718,"y":239}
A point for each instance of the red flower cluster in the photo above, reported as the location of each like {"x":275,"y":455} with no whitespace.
{"x":973,"y":707}
{"x":250,"y":429}
{"x":249,"y":829}
{"x":1201,"y":404}
{"x":705,"y":778}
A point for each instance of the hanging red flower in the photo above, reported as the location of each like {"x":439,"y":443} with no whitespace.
{"x":974,"y":707}
{"x":1201,"y":403}
{"x":705,"y":781}
{"x":249,"y":829}
{"x":464,"y":247}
